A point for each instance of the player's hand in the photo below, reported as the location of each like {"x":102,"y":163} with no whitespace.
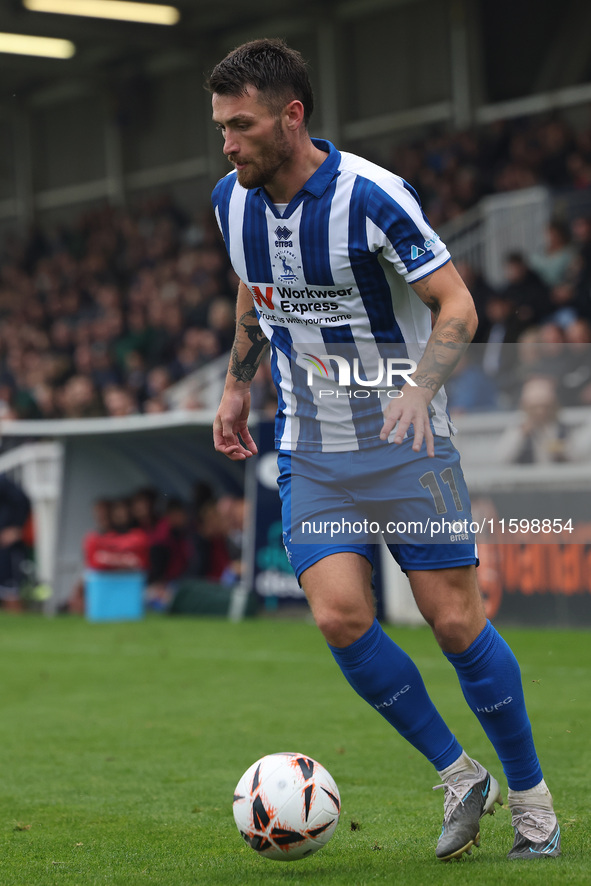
{"x":231,"y":436}
{"x":410,"y":409}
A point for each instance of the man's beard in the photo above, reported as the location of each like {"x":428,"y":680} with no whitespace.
{"x":260,"y":172}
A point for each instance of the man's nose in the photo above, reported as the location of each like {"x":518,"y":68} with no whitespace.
{"x":230,"y":144}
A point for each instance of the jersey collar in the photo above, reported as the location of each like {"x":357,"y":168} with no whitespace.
{"x":317,"y":183}
{"x":321,"y":179}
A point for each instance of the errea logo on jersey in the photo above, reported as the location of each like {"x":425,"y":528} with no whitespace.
{"x":283,"y":234}
{"x":418,"y":251}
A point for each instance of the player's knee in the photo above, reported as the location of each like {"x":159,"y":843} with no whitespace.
{"x":341,"y":627}
{"x":455,"y":630}
{"x":449,"y":630}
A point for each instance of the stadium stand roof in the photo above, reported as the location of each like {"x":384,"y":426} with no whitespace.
{"x":102,"y":44}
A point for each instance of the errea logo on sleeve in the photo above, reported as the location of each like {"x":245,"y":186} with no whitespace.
{"x":418,"y":251}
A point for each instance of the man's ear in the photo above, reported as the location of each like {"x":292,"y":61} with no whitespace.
{"x":293,"y":113}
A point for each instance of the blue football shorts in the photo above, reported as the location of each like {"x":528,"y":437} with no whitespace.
{"x":350,"y":501}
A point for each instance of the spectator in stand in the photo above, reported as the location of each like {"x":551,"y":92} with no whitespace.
{"x":556,"y":142}
{"x":119,"y":401}
{"x":563,"y":302}
{"x":542,"y":352}
{"x":540,"y":437}
{"x":103,"y":370}
{"x":202,"y":496}
{"x":143,"y":507}
{"x":157,"y":381}
{"x":581,"y":231}
{"x":579,"y":170}
{"x":15,"y":509}
{"x":101,"y":512}
{"x":188,"y":356}
{"x":494,"y":352}
{"x":115,"y":544}
{"x":469,"y":388}
{"x":552,"y":266}
{"x":526,"y":290}
{"x":79,"y":399}
{"x":170,"y":553}
{"x":221,"y":319}
{"x":155,"y":406}
{"x":210,"y":556}
{"x":231,"y":510}
{"x":135,"y":375}
{"x":209,"y":343}
{"x":553,"y":352}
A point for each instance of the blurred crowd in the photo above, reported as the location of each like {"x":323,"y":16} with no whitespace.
{"x":537,"y":325}
{"x":102,"y":317}
{"x":452,"y":171}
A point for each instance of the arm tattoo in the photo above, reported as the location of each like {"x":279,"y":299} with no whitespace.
{"x":249,"y":346}
{"x":446,"y":345}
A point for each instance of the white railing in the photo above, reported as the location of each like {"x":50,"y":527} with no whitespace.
{"x":464,"y":237}
{"x":502,"y":223}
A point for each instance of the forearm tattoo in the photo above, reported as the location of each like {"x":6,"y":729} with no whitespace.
{"x":249,"y":346}
{"x":449,"y":340}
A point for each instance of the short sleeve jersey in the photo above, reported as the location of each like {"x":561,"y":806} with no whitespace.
{"x":329,"y":275}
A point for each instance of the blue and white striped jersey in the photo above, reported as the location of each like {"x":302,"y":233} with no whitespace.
{"x":328,"y":276}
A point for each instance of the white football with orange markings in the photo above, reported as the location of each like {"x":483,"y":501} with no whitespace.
{"x":286,"y":806}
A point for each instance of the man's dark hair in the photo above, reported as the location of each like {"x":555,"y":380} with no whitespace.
{"x":278,"y":72}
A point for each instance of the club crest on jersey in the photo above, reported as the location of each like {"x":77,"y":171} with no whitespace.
{"x":285,"y":266}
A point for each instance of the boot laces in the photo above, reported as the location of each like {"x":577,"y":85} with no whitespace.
{"x":455,"y":792}
{"x":535,"y":825}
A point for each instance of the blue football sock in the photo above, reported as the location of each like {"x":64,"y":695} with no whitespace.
{"x":491,"y":682}
{"x":389,"y":681}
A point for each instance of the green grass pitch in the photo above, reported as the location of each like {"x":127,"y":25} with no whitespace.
{"x":121,"y":746}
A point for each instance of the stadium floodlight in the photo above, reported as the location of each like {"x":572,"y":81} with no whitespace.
{"x":120,"y":10}
{"x":48,"y":47}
